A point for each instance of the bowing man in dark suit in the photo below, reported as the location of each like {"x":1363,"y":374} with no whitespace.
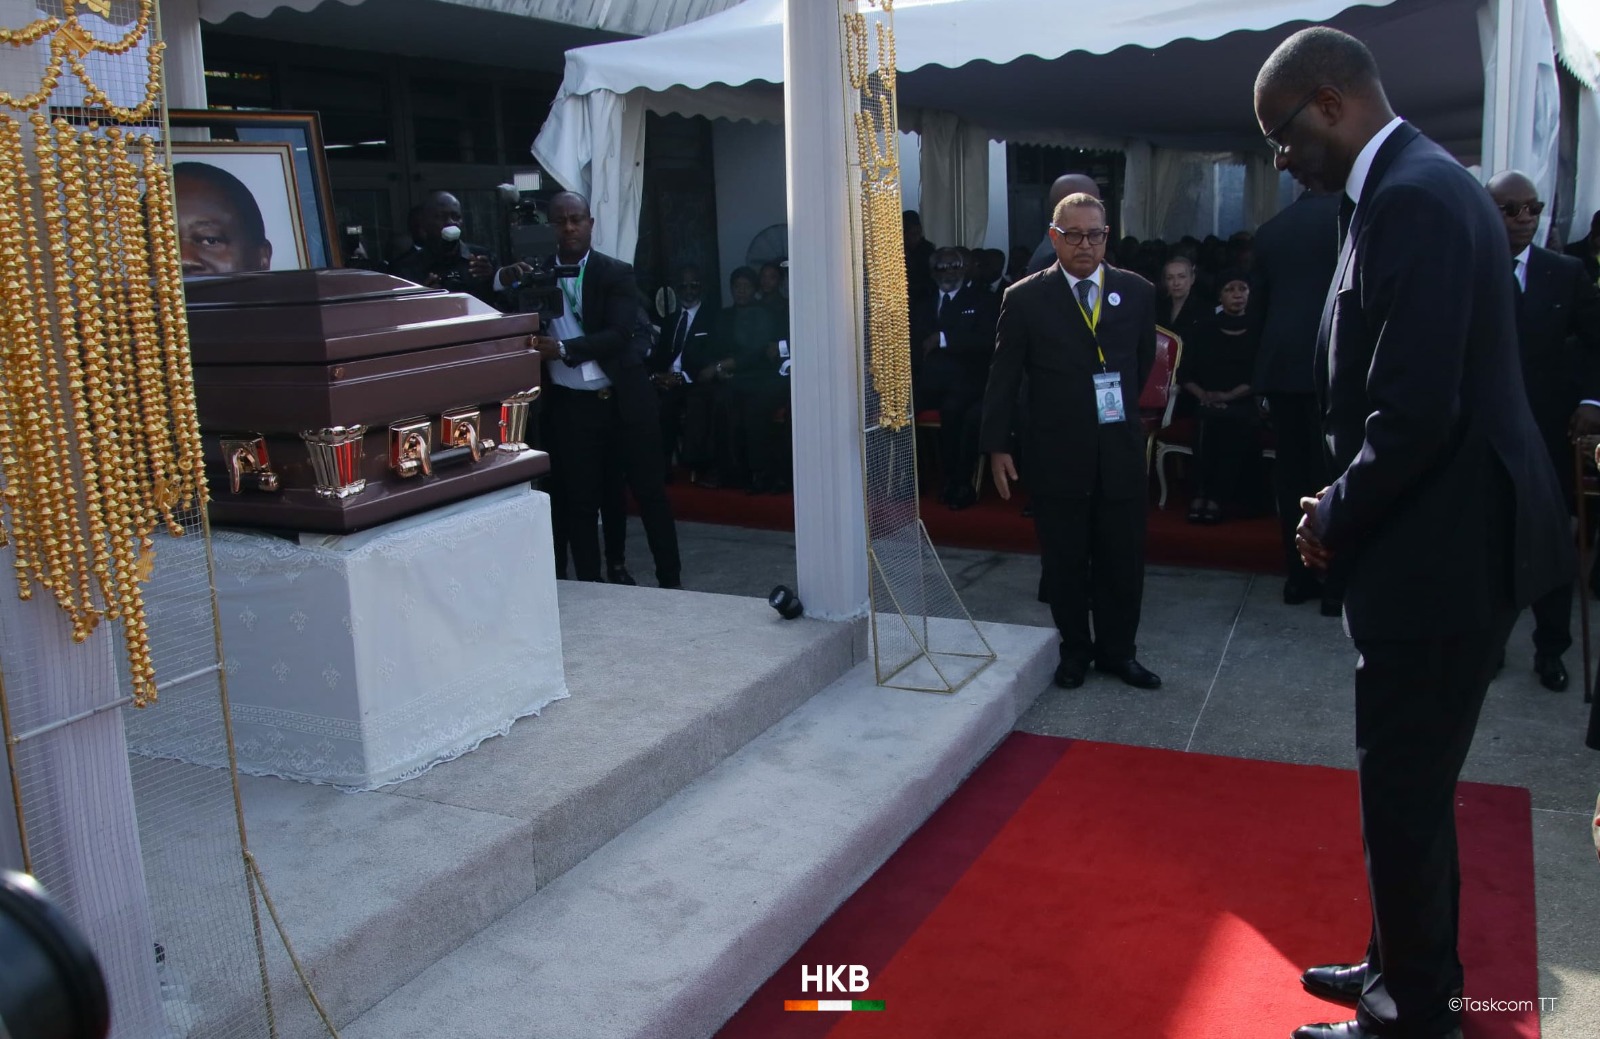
{"x":686,"y":402}
{"x":1080,"y":330}
{"x":1444,"y":510}
{"x":599,"y":406}
{"x":1586,"y":250}
{"x":1295,"y":253}
{"x":952,"y":337}
{"x":1558,"y":328}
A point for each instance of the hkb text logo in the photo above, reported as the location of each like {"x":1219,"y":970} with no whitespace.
{"x":827,"y":978}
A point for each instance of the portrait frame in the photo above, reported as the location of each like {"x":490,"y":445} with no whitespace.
{"x":302,"y":131}
{"x":267,"y":172}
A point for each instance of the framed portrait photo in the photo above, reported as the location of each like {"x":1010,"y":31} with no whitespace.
{"x":302,"y":132}
{"x":238,"y":207}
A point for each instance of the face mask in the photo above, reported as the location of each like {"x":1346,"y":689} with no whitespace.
{"x":450,"y":233}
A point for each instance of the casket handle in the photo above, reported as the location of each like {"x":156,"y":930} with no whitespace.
{"x":411,"y":447}
{"x":247,"y":463}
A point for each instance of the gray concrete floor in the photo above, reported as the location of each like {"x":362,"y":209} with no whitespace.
{"x":1244,"y":675}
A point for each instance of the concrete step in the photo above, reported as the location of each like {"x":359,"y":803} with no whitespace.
{"x":376,"y":887}
{"x":666,"y":930}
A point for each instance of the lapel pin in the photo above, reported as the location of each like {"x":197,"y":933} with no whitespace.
{"x":1115,"y":299}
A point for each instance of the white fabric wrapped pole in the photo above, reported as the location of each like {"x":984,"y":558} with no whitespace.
{"x":1522,"y":103}
{"x":955,"y":180}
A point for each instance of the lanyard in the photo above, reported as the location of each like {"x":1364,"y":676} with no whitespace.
{"x":1094,"y":319}
{"x":575,"y":303}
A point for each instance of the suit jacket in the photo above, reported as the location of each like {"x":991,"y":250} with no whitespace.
{"x":1558,"y":328}
{"x":1191,"y":315}
{"x":1583,"y":251}
{"x":452,"y":269}
{"x":1043,"y":335}
{"x":968,"y":325}
{"x":1446,"y":506}
{"x":1296,"y":252}
{"x":696,"y":342}
{"x":615,"y":335}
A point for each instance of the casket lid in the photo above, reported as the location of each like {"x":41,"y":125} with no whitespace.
{"x":287,"y":288}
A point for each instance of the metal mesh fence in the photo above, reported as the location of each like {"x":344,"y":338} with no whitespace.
{"x":923,"y":637}
{"x":143,"y":855}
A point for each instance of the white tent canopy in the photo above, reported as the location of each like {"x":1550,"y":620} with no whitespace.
{"x":1147,"y":76}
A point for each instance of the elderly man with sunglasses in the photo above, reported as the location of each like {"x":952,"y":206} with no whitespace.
{"x":952,"y":335}
{"x":1558,"y":332}
{"x":1084,"y":335}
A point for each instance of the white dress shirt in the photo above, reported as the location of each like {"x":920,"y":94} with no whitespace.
{"x":587,"y":376}
{"x":1519,"y":267}
{"x":680,"y":346}
{"x":1360,"y":169}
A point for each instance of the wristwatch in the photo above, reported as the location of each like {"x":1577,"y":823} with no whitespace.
{"x":561,"y":348}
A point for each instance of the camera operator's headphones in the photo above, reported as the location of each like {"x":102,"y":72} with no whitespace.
{"x":51,"y":987}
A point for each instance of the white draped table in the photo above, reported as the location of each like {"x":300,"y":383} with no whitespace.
{"x":365,"y":659}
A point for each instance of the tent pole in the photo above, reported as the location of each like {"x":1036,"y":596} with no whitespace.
{"x":824,"y":287}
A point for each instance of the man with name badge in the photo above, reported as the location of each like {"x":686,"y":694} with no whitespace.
{"x":1084,"y":336}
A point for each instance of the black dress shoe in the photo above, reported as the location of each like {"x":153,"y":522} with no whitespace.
{"x":1070,"y":673}
{"x":669,"y":581}
{"x":1332,"y":607}
{"x":1131,"y":672}
{"x":962,"y":496}
{"x":1351,"y":1030}
{"x":1340,"y":982}
{"x":1551,"y":671}
{"x":619,"y":575}
{"x":1297,"y":590}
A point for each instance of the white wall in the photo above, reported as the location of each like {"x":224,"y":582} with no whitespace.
{"x":752,"y":190}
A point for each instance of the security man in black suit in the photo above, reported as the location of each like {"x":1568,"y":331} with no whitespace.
{"x":1445,"y":510}
{"x":952,"y":339}
{"x":1080,"y":331}
{"x":1295,"y":253}
{"x":598,"y":400}
{"x":1586,"y":250}
{"x":1558,"y":328}
{"x":686,"y":402}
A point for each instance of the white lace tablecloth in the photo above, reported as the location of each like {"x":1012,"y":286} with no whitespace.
{"x":364,"y":660}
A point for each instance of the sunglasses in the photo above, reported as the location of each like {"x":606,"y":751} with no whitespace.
{"x":949,"y":266}
{"x":1512,"y":210}
{"x":689,"y":285}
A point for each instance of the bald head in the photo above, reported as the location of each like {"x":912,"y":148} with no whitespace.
{"x":1320,"y":57}
{"x":1072,"y":184}
{"x":1517,"y":198}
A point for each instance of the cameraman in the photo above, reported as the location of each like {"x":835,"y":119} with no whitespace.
{"x":598,"y":407}
{"x":440,"y":259}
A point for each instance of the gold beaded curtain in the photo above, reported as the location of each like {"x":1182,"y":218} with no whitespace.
{"x":878,"y":153}
{"x":99,"y":441}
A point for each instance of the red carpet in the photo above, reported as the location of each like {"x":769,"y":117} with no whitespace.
{"x":1245,"y":544}
{"x":1086,"y":889}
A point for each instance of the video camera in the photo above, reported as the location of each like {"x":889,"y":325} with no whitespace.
{"x":539,"y":290}
{"x":50,"y":985}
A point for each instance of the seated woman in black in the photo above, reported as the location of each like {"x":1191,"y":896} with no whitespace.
{"x":1179,"y":308}
{"x":1218,"y":361}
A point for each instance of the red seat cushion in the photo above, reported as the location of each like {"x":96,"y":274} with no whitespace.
{"x":928,"y":417}
{"x":1180,"y":432}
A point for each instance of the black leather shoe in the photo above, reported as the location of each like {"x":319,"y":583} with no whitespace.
{"x":961,"y":497}
{"x":1340,"y":982}
{"x":1551,"y":671}
{"x":1351,"y":1030}
{"x":1332,"y":607}
{"x":1297,"y":590}
{"x":619,"y":575}
{"x":1070,"y":673}
{"x":1131,"y":672}
{"x":669,"y":581}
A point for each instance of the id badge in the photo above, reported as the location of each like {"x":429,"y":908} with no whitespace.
{"x":1108,"y":397}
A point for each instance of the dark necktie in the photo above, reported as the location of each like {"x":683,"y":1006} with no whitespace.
{"x":1347,"y":209}
{"x":944,"y":306}
{"x":1516,"y":263}
{"x":1086,"y":295}
{"x":683,"y":333}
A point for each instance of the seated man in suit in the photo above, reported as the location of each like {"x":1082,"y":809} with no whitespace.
{"x":952,"y":338}
{"x":686,"y":403}
{"x":1558,"y":330}
{"x":440,"y":259}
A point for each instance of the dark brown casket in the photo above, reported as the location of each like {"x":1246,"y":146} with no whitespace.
{"x":334,"y":400}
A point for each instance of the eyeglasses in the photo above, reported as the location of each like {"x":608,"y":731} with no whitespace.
{"x":689,"y":285}
{"x":949,"y":266}
{"x":1512,"y":210}
{"x":1272,"y":134}
{"x":1075,"y":237}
